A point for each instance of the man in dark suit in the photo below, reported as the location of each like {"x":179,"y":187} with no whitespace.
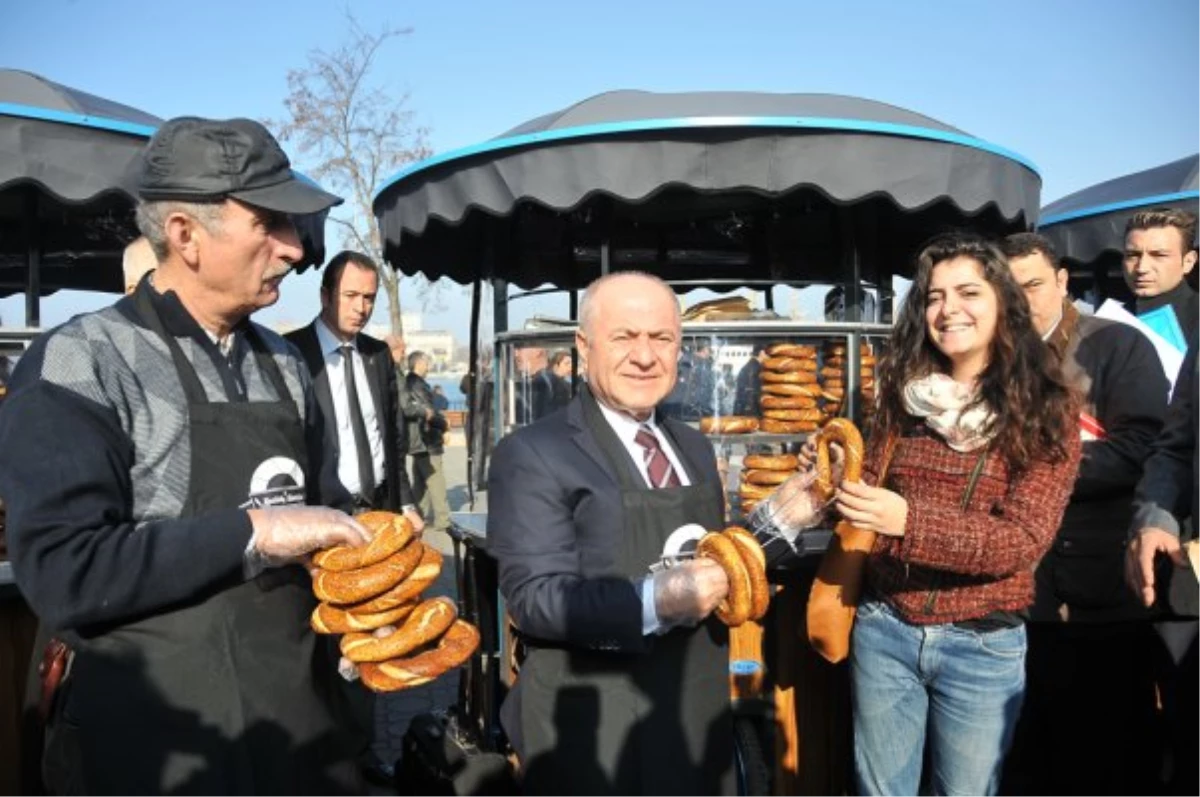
{"x":374,"y":474}
{"x":355,"y":384}
{"x":586,"y":507}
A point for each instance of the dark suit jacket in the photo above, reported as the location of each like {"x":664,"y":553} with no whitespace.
{"x":554,"y":510}
{"x":1118,"y":374}
{"x":381,"y":376}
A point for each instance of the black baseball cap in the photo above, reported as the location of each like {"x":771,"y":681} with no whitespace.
{"x":202,"y":160}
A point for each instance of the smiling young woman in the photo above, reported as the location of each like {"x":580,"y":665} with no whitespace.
{"x":982,"y":446}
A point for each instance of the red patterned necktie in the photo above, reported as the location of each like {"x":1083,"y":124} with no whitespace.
{"x":658,"y":466}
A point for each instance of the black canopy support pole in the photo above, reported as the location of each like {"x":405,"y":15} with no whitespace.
{"x":473,"y":388}
{"x":851,"y":270}
{"x":497,"y":249}
{"x":33,"y":261}
{"x":605,"y":257}
{"x":574,"y":315}
{"x":499,"y":305}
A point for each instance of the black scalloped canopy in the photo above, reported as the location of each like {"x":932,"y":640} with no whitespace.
{"x":748,"y":185}
{"x":72,"y":162}
{"x":1089,"y":236}
{"x":74,"y":179}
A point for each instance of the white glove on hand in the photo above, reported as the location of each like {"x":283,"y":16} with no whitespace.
{"x":348,"y":669}
{"x":689,"y":592}
{"x":791,"y":509}
{"x":285,"y":534}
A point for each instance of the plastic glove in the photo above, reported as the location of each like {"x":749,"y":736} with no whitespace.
{"x":348,"y":669}
{"x":688,"y":592}
{"x":793,"y":507}
{"x":285,"y":534}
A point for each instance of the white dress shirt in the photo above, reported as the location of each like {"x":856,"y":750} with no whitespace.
{"x":335,"y":371}
{"x":626,"y":429}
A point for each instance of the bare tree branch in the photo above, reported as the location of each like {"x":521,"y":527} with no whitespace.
{"x":355,"y":135}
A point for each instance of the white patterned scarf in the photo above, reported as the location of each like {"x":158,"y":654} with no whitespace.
{"x":942,"y":402}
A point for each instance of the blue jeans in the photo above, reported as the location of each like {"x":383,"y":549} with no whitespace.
{"x":958,"y":689}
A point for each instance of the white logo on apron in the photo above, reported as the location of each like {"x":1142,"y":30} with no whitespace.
{"x":680,"y":545}
{"x":278,"y":481}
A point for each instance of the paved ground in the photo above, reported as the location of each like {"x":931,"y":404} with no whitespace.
{"x":393,"y":712}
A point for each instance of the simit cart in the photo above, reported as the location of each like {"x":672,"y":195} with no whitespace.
{"x":772,"y":194}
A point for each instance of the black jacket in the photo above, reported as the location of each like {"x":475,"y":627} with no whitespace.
{"x":381,"y":376}
{"x":1123,"y":386}
{"x":425,"y":435}
{"x":1182,"y":299}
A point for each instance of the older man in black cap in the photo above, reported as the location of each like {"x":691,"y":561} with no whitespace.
{"x":159,"y":456}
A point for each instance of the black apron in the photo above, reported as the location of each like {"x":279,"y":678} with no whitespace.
{"x":656,"y":723}
{"x":217,"y":695}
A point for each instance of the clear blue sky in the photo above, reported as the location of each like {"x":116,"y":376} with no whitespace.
{"x":1086,"y":89}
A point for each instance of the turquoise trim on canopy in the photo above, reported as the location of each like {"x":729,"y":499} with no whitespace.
{"x":1112,"y":207}
{"x":697,"y":122}
{"x":98,"y":123}
{"x":78,"y":119}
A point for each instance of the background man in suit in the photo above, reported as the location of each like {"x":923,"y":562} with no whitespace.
{"x":374,"y":474}
{"x":367,"y":441}
{"x":584,"y":505}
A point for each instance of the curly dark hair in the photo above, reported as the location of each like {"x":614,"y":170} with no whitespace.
{"x":1034,"y":409}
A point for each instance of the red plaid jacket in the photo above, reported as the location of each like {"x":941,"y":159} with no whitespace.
{"x":952,"y":564}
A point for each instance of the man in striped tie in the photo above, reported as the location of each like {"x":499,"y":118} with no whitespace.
{"x":624,"y":685}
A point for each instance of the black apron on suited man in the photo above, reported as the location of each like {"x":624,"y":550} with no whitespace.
{"x":609,"y":711}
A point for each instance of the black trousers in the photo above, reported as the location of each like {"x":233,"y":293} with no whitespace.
{"x":1088,"y":724}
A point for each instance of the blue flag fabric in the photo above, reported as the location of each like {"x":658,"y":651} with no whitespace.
{"x":1165,"y":323}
